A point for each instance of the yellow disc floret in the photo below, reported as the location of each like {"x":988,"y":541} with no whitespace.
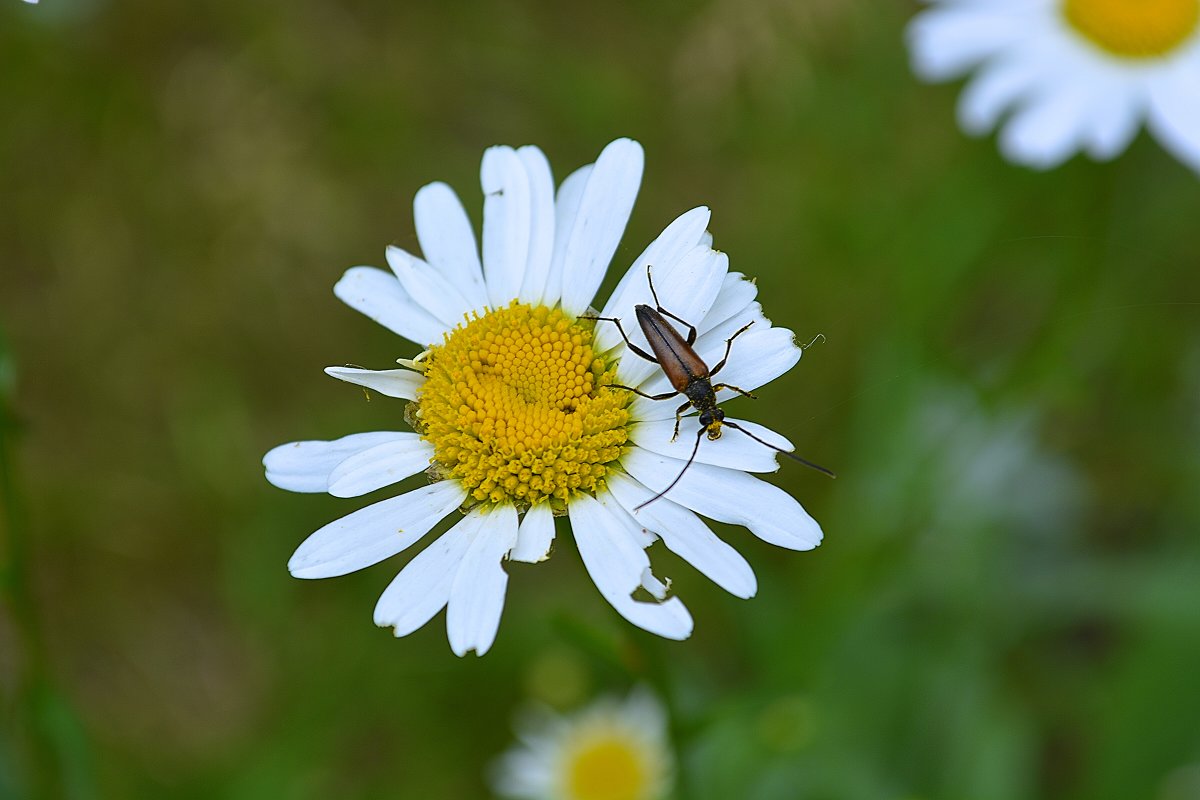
{"x":518,"y":407}
{"x":1134,"y":28}
{"x":609,"y":768}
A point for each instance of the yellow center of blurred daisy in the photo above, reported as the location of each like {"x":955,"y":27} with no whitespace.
{"x":607,"y":769}
{"x":517,"y":406}
{"x":1134,"y":28}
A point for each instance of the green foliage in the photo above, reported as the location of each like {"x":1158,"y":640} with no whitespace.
{"x":1006,"y":604}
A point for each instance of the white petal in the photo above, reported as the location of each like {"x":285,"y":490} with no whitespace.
{"x":758,"y":356}
{"x":448,"y":241}
{"x":506,"y":223}
{"x":713,"y":340}
{"x":378,"y":295}
{"x":600,"y":221}
{"x":477,"y":594}
{"x":1048,"y":129}
{"x":688,"y":290}
{"x":422,"y":588}
{"x":380,"y":466}
{"x":566,"y":208}
{"x":687,"y":536}
{"x":541,"y":217}
{"x":996,"y":88}
{"x":402,"y":383}
{"x":1115,"y":123}
{"x":305,"y":466}
{"x":730,"y":496}
{"x":536,"y":535}
{"x":434,"y":291}
{"x":657,"y":589}
{"x":1175,"y":111}
{"x":945,"y":43}
{"x":615,"y":563}
{"x":374,"y":533}
{"x":676,"y":241}
{"x":733,"y":450}
{"x":735,"y":301}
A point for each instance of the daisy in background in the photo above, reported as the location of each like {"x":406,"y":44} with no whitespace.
{"x":515,"y":416}
{"x":611,"y":750}
{"x":1071,"y":75}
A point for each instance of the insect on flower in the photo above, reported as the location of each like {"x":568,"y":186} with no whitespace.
{"x":689,"y":376}
{"x":515,"y":412}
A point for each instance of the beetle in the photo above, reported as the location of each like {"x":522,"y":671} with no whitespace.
{"x":689,"y":376}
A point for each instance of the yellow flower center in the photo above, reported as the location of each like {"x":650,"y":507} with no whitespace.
{"x":608,"y":768}
{"x":1134,"y":28}
{"x":517,"y":406}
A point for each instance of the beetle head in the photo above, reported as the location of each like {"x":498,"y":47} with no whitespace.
{"x":710,"y":420}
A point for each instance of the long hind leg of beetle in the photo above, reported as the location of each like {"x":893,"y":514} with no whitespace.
{"x":691,"y":337}
{"x":639,"y":351}
{"x":640,"y":393}
{"x":728,"y":344}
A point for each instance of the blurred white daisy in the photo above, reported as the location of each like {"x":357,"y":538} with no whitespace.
{"x":612,"y":750}
{"x":1071,"y":74}
{"x":516,"y":420}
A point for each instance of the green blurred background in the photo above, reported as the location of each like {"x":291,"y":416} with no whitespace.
{"x":1007,"y":603}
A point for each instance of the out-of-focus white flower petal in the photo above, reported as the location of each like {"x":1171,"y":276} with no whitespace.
{"x":1048,"y":129}
{"x":1174,"y":113}
{"x":946,"y":42}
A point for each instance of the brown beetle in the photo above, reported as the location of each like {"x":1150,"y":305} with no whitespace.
{"x":689,"y":375}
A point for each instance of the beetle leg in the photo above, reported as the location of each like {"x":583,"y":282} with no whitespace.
{"x":639,"y":351}
{"x":691,"y":337}
{"x":665,"y":396}
{"x":742,"y":392}
{"x":729,"y":344}
{"x":678,"y":416}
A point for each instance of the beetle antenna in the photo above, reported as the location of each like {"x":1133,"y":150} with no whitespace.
{"x":691,"y":458}
{"x":792,"y":456}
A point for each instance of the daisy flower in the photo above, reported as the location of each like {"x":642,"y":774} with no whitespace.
{"x":1070,"y":74}
{"x":516,"y":413}
{"x":612,"y":750}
